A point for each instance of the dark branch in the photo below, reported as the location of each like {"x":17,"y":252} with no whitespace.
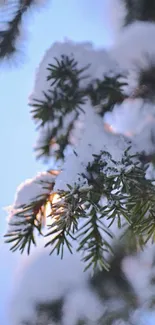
{"x":9,"y":36}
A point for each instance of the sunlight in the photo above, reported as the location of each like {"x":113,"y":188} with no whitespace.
{"x":131,"y":133}
{"x":109,"y":128}
{"x":53,"y":208}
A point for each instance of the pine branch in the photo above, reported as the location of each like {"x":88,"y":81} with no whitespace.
{"x":65,"y":96}
{"x":9,"y":35}
{"x":129,"y":202}
{"x":92,"y":243}
{"x":106,"y":93}
{"x":54,"y":144}
{"x":65,"y":213}
{"x":23,"y":236}
{"x":26,"y":220}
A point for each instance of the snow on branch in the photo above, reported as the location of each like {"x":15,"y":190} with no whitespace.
{"x":58,"y":109}
{"x":106,"y":191}
{"x":78,"y":97}
{"x":30,"y":210}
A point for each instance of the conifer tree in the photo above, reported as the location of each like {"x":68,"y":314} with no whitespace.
{"x":96,"y":124}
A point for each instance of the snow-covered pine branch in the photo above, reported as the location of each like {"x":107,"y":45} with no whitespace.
{"x":125,"y":107}
{"x":89,"y":71}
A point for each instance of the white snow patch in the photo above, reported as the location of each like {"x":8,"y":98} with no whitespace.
{"x":138,"y":270}
{"x":134,"y":45}
{"x":82,"y":304}
{"x":93,"y":140}
{"x":115,"y":17}
{"x":134,"y":119}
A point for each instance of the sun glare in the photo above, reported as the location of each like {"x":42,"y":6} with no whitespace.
{"x":53,"y":208}
{"x":109,"y":128}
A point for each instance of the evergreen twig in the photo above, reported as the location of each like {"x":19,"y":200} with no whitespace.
{"x":10,"y":34}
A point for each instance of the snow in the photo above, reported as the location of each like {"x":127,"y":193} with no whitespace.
{"x":93,"y":140}
{"x":115,"y":15}
{"x":46,"y":130}
{"x":30,"y":190}
{"x":134,"y":45}
{"x":138,"y":271}
{"x":135,"y":119}
{"x":82,"y":304}
{"x":129,"y":118}
{"x":124,"y":117}
{"x":84,"y":54}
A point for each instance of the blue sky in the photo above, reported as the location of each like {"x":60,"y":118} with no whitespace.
{"x":75,"y":19}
